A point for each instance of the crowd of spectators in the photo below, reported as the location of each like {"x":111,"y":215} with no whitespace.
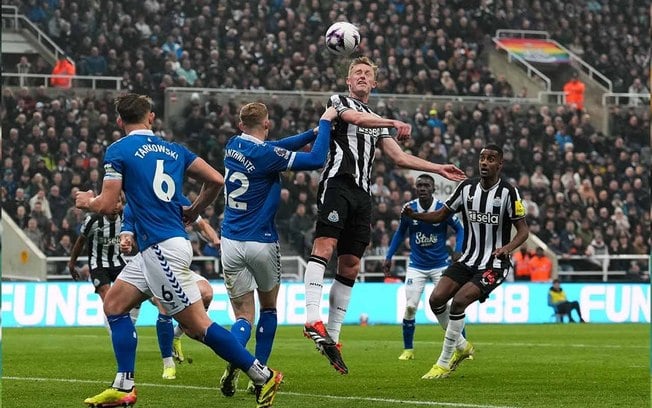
{"x":423,"y":47}
{"x":578,"y":183}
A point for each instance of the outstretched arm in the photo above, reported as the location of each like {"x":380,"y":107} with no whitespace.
{"x":368,"y":120}
{"x":295,"y":142}
{"x":408,"y":161}
{"x":431,"y":217}
{"x":317,"y":156}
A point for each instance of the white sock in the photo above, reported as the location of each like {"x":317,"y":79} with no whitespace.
{"x":168,"y":362}
{"x":178,"y":331}
{"x":443,"y":318}
{"x":124,"y":381}
{"x":314,"y":281}
{"x":133,"y":313}
{"x":258,"y":373}
{"x":339,"y":299}
{"x":453,"y":333}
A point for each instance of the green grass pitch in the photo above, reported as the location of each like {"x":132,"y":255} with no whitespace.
{"x":526,"y":366}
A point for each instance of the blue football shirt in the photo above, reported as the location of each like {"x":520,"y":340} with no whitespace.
{"x":152,"y":171}
{"x":427,"y":240}
{"x":252,"y":188}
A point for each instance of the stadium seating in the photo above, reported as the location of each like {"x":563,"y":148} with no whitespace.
{"x":567,"y":169}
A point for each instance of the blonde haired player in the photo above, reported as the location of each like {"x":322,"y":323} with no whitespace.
{"x":344,"y":206}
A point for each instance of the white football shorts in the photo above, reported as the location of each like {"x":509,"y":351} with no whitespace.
{"x":163,"y":271}
{"x":415,"y":282}
{"x":249,"y":265}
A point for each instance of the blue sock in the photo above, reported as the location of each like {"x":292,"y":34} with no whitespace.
{"x":241,"y":330}
{"x":408,"y":333}
{"x":165,"y":334}
{"x":124,"y":339}
{"x":265,"y":332}
{"x":225,"y":345}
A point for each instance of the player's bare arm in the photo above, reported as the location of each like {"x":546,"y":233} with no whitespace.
{"x":107,"y":203}
{"x":387,"y":267}
{"x":212,"y":184}
{"x":208,"y":232}
{"x":408,"y":161}
{"x":522,"y":232}
{"x":439,"y":215}
{"x":74,"y":254}
{"x":367,"y":120}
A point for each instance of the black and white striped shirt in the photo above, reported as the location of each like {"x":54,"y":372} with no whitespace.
{"x":103,"y":241}
{"x":352,"y":148}
{"x":487,"y":215}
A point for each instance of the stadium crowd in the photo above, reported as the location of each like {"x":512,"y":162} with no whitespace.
{"x":578,"y":183}
{"x":422,"y":47}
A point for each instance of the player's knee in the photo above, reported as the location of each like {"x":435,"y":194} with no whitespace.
{"x":113,"y":307}
{"x":410,"y":312}
{"x":324,"y":247}
{"x":458,"y":306}
{"x":206,"y":292}
{"x":436,"y":301}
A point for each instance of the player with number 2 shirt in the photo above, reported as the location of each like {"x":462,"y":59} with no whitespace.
{"x":251,"y":257}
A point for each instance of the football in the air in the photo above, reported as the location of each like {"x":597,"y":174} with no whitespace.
{"x":342,"y":38}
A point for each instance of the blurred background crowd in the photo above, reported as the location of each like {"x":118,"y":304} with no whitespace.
{"x":586,"y":191}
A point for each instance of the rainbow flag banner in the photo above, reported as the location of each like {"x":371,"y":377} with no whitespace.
{"x":535,"y":50}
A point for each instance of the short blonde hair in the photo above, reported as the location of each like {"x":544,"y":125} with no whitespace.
{"x":366,"y":61}
{"x":253,"y":114}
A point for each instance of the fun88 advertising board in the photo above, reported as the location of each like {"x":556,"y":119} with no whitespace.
{"x":75,"y":304}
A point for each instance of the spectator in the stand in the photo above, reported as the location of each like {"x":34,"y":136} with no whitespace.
{"x":8,"y":182}
{"x":95,"y":63}
{"x":300,"y":185}
{"x":299,"y":226}
{"x":39,"y":202}
{"x":24,"y":67}
{"x":34,"y":233}
{"x":379,"y":191}
{"x":540,"y":266}
{"x":639,"y":246}
{"x":187,"y":72}
{"x":172,"y":46}
{"x":521,"y":264}
{"x":620,"y":221}
{"x":58,"y":204}
{"x":637,"y":87}
{"x":585,"y":230}
{"x":21,"y":217}
{"x":63,"y":69}
{"x":574,"y":91}
{"x":381,"y":212}
{"x":285,"y":211}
